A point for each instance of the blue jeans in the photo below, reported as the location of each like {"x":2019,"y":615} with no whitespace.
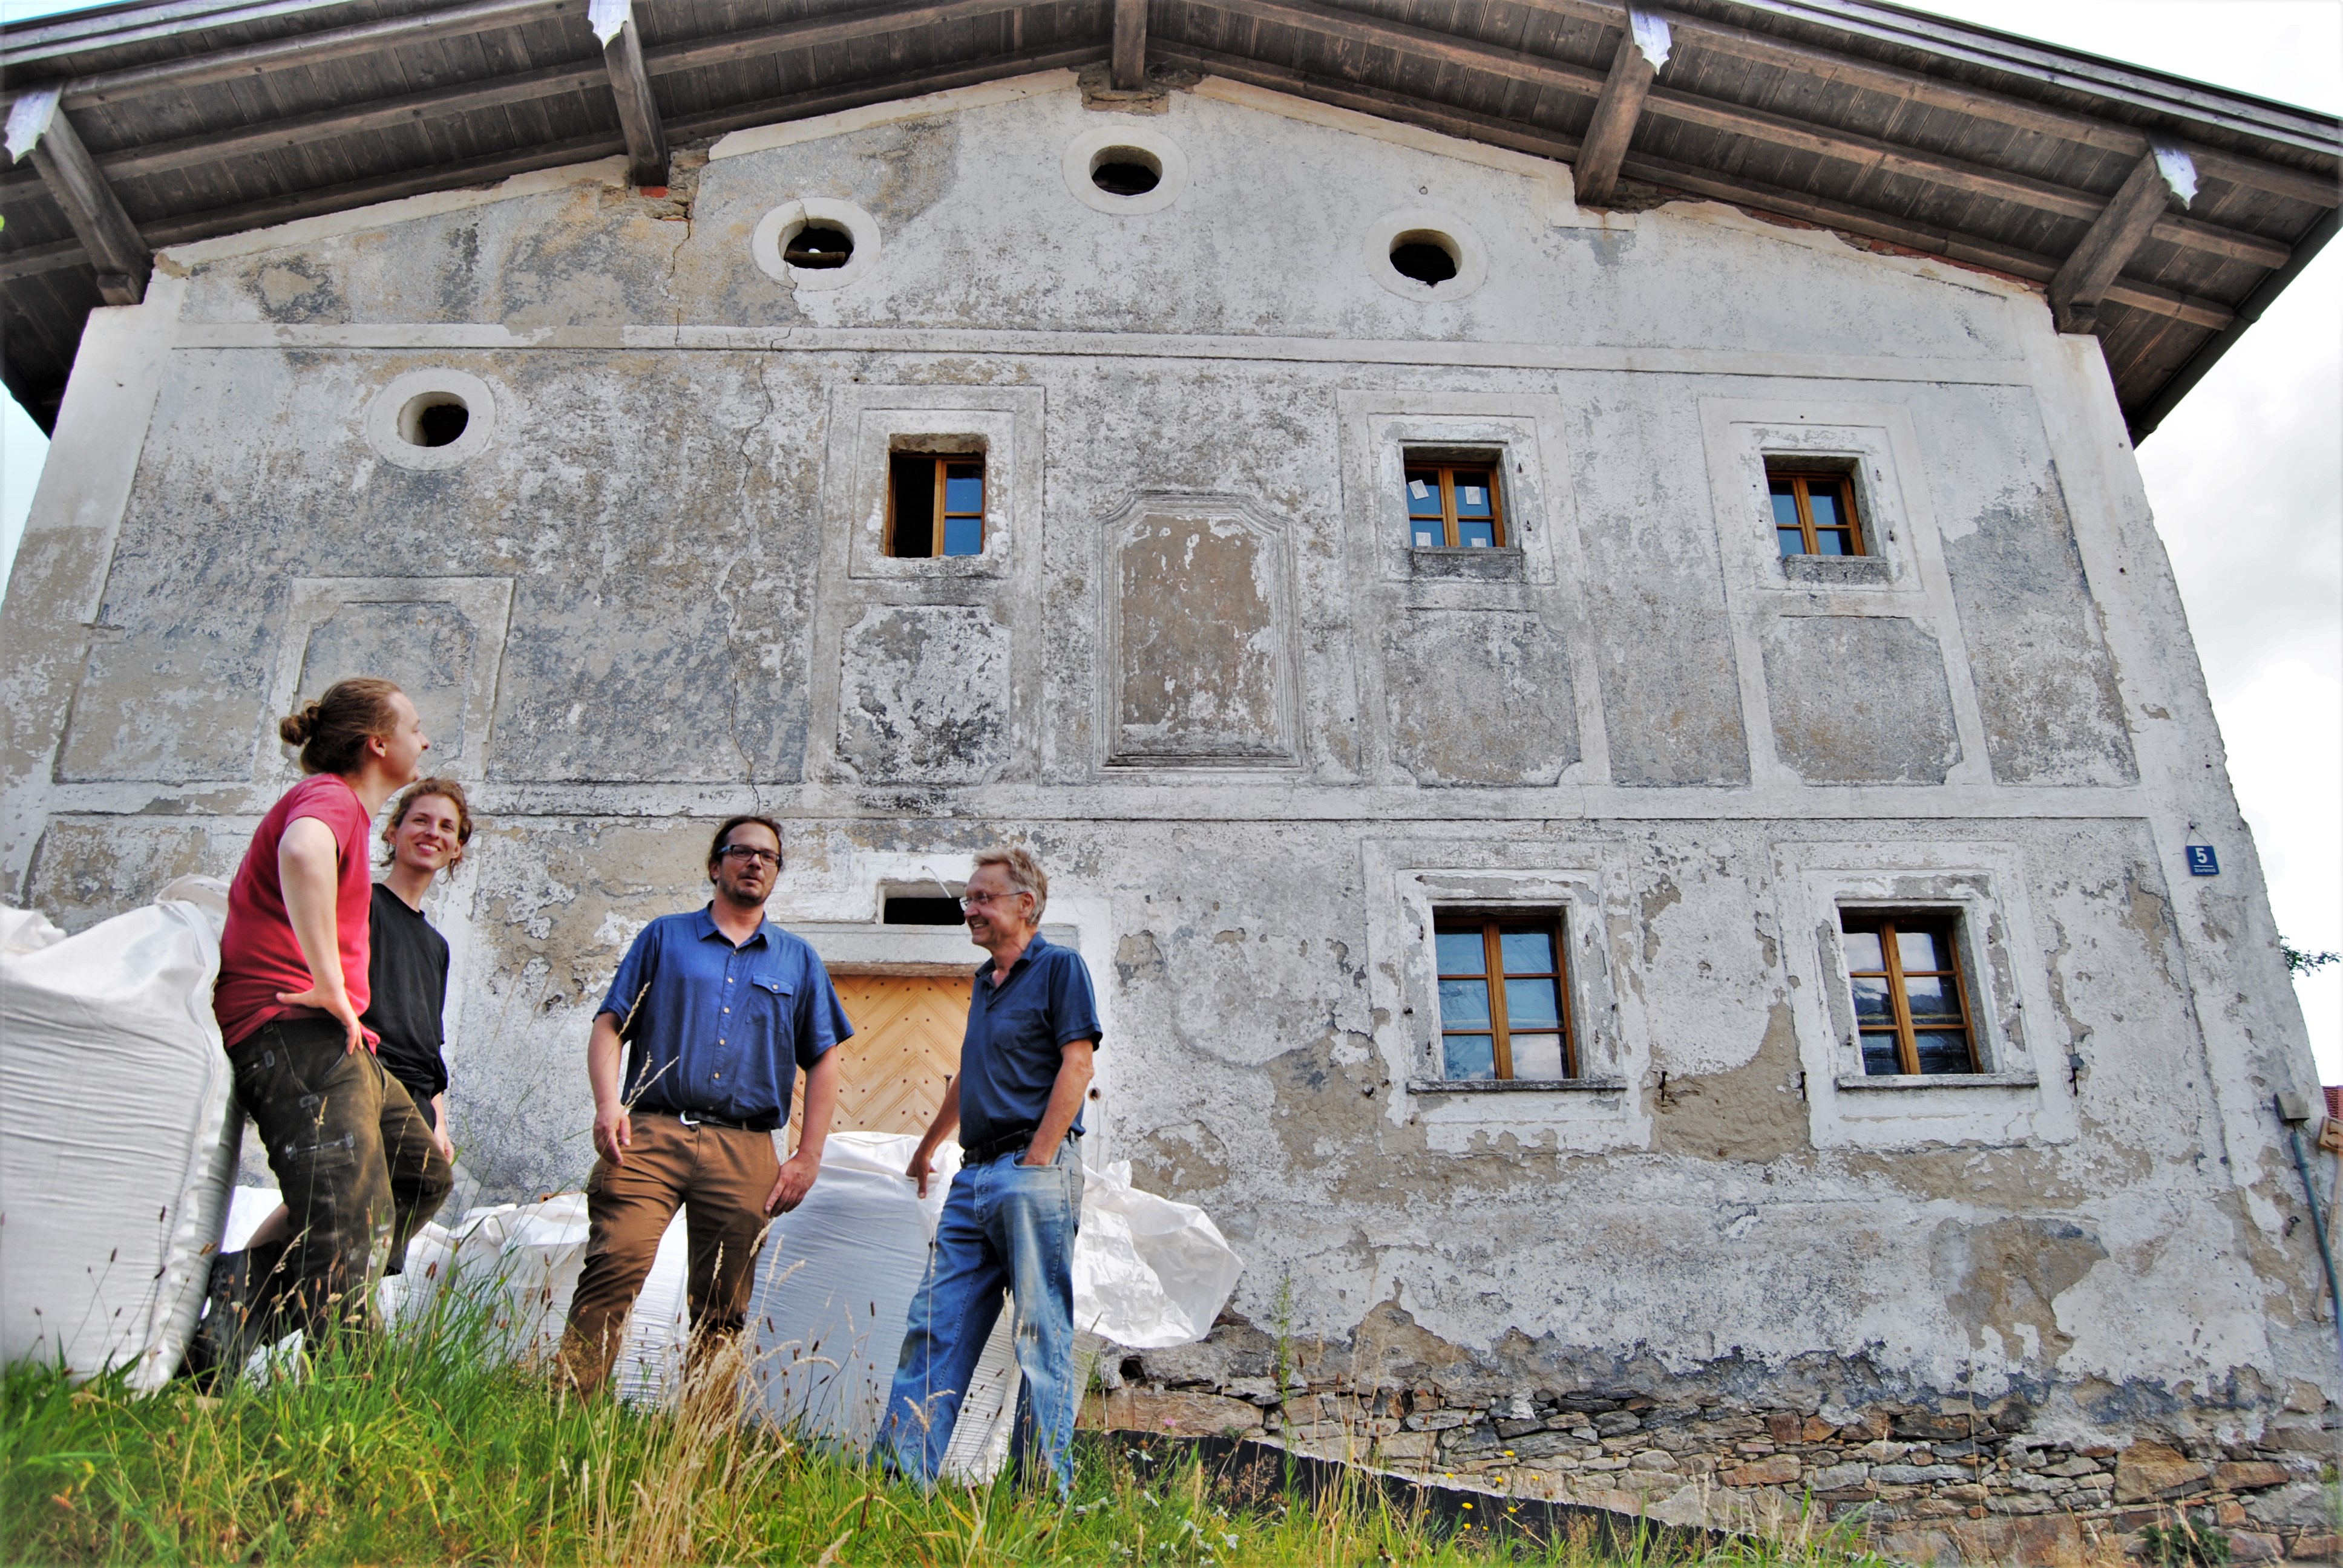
{"x":1005,"y":1226}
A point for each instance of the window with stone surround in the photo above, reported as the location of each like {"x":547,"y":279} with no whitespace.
{"x":935,"y":504}
{"x":1454,"y":503}
{"x":1503,"y":985}
{"x":1911,"y":1001}
{"x":1813,"y":511}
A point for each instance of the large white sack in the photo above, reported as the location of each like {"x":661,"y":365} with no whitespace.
{"x":834,"y":1285}
{"x":117,"y":1137}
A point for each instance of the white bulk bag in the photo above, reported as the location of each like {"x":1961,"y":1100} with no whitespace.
{"x":834,"y":1285}
{"x":118,"y":1135}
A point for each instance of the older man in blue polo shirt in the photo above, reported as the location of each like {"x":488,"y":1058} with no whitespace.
{"x":716,"y":1011}
{"x":1009,"y":1220}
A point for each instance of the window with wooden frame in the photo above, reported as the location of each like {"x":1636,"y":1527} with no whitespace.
{"x":1502,"y":993}
{"x":1911,"y":1001}
{"x":935,"y":504}
{"x":1453,"y":506}
{"x":1813,"y":511}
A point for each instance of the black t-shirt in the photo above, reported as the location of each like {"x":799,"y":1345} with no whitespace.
{"x":409,"y":977}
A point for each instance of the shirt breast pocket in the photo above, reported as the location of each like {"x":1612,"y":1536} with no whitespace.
{"x":771,"y":1001}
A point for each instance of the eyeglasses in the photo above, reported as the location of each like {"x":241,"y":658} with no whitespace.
{"x":971,"y":900}
{"x":738,"y":852}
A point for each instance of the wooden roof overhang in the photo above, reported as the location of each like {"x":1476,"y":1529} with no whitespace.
{"x":2158,"y":212}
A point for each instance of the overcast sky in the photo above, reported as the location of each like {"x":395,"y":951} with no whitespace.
{"x":2246,"y":477}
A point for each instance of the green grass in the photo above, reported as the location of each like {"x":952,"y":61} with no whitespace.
{"x":426,"y":1447}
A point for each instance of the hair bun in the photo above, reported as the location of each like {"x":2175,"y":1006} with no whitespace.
{"x":295,"y":729}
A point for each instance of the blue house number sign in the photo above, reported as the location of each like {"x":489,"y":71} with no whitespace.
{"x":2202,"y":861}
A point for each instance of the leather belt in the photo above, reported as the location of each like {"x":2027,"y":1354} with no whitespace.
{"x":702,"y":1119}
{"x":1010,"y":1143}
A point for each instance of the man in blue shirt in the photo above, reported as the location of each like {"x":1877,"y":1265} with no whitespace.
{"x":716,"y":1011}
{"x":1009,"y":1220}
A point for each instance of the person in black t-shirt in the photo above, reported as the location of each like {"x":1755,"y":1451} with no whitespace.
{"x":427,"y":830}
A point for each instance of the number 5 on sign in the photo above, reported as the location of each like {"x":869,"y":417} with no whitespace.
{"x":2202,"y":861}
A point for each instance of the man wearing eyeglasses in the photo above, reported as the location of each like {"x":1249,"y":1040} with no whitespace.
{"x":715,"y":1011}
{"x":1009,"y":1220}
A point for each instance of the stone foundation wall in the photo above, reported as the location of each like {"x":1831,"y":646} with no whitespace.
{"x":1949,"y":1484}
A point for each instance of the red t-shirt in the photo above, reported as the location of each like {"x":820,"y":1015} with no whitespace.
{"x":258,"y":955}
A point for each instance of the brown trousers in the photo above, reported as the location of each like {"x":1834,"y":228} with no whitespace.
{"x":720,"y":1177}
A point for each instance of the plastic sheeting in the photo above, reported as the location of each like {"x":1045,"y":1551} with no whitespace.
{"x":118,"y":1134}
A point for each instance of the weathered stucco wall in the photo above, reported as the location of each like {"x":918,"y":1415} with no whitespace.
{"x":1255,"y":737}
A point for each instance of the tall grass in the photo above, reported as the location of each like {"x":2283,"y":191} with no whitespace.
{"x":430,"y":1446}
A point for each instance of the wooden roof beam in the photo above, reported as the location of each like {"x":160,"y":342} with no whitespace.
{"x":2119,"y":230}
{"x":38,"y":124}
{"x":1641,"y":52}
{"x":305,"y":50}
{"x":630,"y":84}
{"x":1128,"y":62}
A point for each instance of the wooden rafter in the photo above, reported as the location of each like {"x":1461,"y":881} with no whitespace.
{"x":1127,"y":63}
{"x":1641,"y":52}
{"x":2091,"y":268}
{"x":631,"y":87}
{"x":38,"y":126}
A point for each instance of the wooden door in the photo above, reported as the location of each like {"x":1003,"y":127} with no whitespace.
{"x":905,"y":1050}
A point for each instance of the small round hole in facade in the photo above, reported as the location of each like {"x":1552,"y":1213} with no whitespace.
{"x":1126,"y":171}
{"x":433,"y":419}
{"x":821,"y":247}
{"x":1428,"y":257}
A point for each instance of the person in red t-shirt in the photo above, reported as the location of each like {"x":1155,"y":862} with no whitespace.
{"x":357,"y":1163}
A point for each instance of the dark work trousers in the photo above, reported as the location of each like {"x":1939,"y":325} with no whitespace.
{"x":721,"y":1177}
{"x":355,"y":1160}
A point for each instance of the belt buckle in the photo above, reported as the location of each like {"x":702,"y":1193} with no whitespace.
{"x":687,"y":1117}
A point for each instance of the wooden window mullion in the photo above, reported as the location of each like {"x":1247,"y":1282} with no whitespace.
{"x":1448,"y":517}
{"x":1492,"y":954}
{"x":1907,"y":1050}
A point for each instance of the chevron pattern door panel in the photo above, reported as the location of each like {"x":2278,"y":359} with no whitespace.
{"x":905,"y":1050}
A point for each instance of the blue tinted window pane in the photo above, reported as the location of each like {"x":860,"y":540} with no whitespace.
{"x":1537,"y":1056}
{"x":1944,"y":1052}
{"x":1879,"y":1056}
{"x":1934,"y":1002}
{"x":1461,"y":953}
{"x":1471,"y":1055}
{"x":1921,"y":952}
{"x":964,"y":494}
{"x":1822,"y":504}
{"x":1793,"y":542}
{"x":1871,"y":1000}
{"x":1473,"y":498}
{"x":1530,"y":1004}
{"x":1464,"y":1004}
{"x":1863,"y":951}
{"x":1785,"y":508}
{"x":1424,"y":494}
{"x":964,"y":535}
{"x":1528,"y":952}
{"x":1829,"y":542}
{"x":1480,"y":536}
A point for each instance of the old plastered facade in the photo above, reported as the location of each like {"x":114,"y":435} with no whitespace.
{"x":1259,"y":742}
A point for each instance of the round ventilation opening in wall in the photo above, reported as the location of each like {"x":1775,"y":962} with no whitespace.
{"x":1428,"y":257}
{"x":1426,"y":254}
{"x":434,"y":419}
{"x":821,"y":247}
{"x":431,"y":418}
{"x":1126,"y":171}
{"x":815,"y":244}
